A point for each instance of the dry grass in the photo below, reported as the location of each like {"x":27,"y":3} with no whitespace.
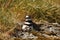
{"x":13,"y":11}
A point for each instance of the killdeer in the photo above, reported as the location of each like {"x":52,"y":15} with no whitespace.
{"x":27,"y":26}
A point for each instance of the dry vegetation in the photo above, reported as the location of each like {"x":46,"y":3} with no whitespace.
{"x":13,"y":11}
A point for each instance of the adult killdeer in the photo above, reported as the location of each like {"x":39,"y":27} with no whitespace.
{"x":27,"y":26}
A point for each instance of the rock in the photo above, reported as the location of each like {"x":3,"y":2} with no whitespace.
{"x":26,"y":35}
{"x":50,"y":30}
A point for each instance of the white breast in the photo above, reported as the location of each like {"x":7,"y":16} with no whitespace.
{"x":24,"y":26}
